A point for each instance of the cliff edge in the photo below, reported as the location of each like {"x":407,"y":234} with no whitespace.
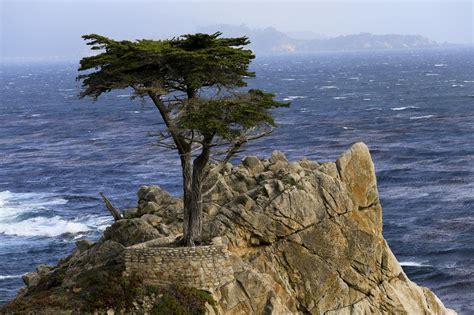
{"x":282,"y":238}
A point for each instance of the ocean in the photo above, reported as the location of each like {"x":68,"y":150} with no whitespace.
{"x":414,"y":109}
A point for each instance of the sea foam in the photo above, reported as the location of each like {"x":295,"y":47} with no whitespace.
{"x":26,"y":214}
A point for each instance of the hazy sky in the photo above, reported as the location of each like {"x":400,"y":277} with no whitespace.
{"x":45,"y":29}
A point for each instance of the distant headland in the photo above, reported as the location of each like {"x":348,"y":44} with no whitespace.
{"x":270,"y":40}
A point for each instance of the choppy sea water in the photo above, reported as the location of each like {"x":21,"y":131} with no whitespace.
{"x":414,"y":109}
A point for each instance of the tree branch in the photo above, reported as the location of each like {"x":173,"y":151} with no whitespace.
{"x":181,"y":146}
{"x":234,"y":149}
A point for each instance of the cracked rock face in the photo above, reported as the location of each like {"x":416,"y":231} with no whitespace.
{"x":307,"y":238}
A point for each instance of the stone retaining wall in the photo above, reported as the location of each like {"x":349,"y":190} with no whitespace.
{"x":202,"y":267}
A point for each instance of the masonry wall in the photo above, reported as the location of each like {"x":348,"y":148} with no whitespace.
{"x":202,"y":267}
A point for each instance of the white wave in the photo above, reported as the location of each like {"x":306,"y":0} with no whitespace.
{"x":10,"y":277}
{"x":421,"y":117}
{"x":14,"y":204}
{"x":288,"y":79}
{"x":457,"y":85}
{"x":54,"y":226}
{"x":328,"y":87}
{"x":431,"y":74}
{"x":66,"y":90}
{"x":35,"y":115}
{"x":468,"y":81}
{"x":339,"y":97}
{"x":42,"y":226}
{"x":373,"y":108}
{"x":124,"y":95}
{"x":440,"y":65}
{"x":412,"y":264}
{"x":403,"y":108}
{"x":367,"y":99}
{"x":293,"y":97}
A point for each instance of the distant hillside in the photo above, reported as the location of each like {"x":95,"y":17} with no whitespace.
{"x":270,"y":40}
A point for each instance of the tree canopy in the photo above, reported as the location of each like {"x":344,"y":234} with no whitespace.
{"x":184,"y":64}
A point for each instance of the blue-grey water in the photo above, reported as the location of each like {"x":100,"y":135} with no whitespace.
{"x":414,"y":109}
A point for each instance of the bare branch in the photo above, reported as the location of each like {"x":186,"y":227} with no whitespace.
{"x":114,"y":211}
{"x":165,"y":145}
{"x":235,"y":148}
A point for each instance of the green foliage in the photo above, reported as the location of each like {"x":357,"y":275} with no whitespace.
{"x":183,"y":301}
{"x":227,"y":117}
{"x":105,"y":287}
{"x":185,"y":64}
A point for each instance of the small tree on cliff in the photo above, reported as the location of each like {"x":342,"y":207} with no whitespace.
{"x":192,"y":80}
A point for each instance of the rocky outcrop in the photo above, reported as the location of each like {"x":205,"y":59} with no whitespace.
{"x":302,"y":237}
{"x":308,"y":239}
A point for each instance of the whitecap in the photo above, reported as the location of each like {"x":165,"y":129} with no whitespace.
{"x":288,"y":79}
{"x":2,"y":277}
{"x":366,"y":99}
{"x":66,"y":90}
{"x":339,"y":97}
{"x":457,"y":85}
{"x":35,"y":115}
{"x":468,"y":81}
{"x":373,"y":108}
{"x":293,"y":97}
{"x":440,"y":65}
{"x":431,"y":74}
{"x":421,"y":117}
{"x":412,"y":264}
{"x":328,"y":87}
{"x":403,"y":108}
{"x":124,"y":95}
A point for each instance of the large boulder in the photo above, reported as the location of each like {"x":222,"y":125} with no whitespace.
{"x":131,"y":232}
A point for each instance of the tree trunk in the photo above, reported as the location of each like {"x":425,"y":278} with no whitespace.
{"x":193,"y":226}
{"x":187,"y":171}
